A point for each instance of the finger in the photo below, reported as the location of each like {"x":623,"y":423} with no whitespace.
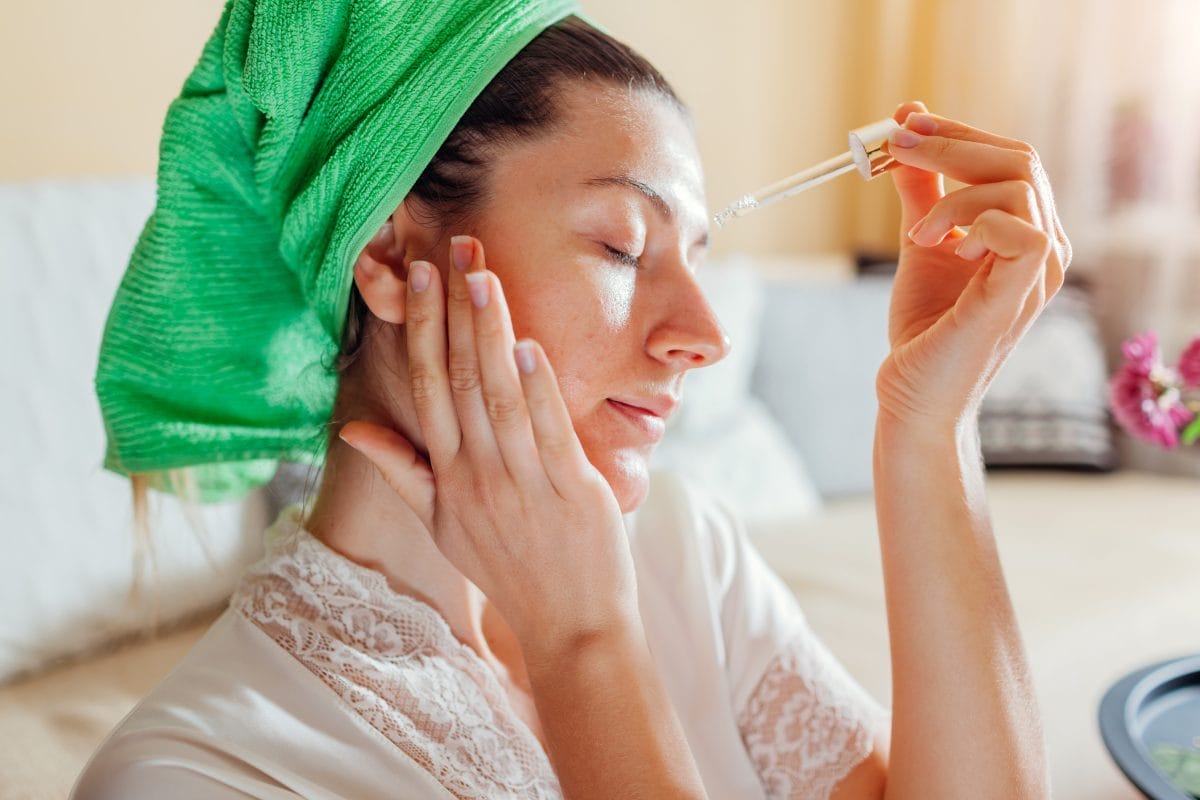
{"x":966,"y":161}
{"x":1026,"y":158}
{"x":1002,"y":232}
{"x":962,"y":206}
{"x":929,"y":124}
{"x":918,"y":189}
{"x":563,"y":457}
{"x":502,"y":394}
{"x":425,"y":334}
{"x":462,"y":359}
{"x":398,"y":462}
{"x":1021,"y":251}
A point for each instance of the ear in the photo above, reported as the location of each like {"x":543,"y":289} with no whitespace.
{"x":381,"y":269}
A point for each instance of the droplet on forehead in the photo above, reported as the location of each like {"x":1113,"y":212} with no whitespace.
{"x":735,"y":210}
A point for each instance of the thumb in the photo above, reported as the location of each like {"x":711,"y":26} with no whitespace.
{"x":918,"y":189}
{"x":404,"y":469}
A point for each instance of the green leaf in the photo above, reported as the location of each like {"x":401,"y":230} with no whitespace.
{"x":1181,"y":765}
{"x":1192,"y":432}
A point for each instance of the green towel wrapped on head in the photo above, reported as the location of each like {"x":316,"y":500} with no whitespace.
{"x":301,"y":129}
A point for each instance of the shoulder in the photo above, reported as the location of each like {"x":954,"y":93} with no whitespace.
{"x":241,"y":717}
{"x":176,"y":737}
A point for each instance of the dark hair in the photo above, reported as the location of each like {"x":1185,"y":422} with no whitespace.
{"x":517,"y":104}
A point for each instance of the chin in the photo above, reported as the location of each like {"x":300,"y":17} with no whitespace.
{"x":628,"y":475}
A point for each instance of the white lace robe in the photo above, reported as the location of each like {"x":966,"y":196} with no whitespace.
{"x":316,"y":655}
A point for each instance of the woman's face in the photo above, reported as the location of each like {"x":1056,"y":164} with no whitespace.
{"x":595,"y":231}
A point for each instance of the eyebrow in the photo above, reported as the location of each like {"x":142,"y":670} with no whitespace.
{"x":656,"y":199}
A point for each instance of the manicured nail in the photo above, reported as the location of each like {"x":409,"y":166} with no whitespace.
{"x":970,"y":249}
{"x":461,"y":251}
{"x":905,"y":138}
{"x":921,"y":123}
{"x":526,"y":359}
{"x":418,"y":275}
{"x":916,"y":229}
{"x":477,"y":285}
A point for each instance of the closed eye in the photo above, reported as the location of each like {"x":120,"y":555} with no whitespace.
{"x":621,"y":256}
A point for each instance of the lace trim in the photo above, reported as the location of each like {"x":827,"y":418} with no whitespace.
{"x":395,"y":661}
{"x":807,"y":723}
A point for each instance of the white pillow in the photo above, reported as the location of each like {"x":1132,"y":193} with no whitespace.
{"x":65,"y":523}
{"x":723,"y":438}
{"x":823,"y":341}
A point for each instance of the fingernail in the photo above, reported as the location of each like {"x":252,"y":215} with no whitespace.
{"x":418,"y":275}
{"x":916,"y":229}
{"x":970,"y":249}
{"x":461,"y":252}
{"x":921,"y":123}
{"x":526,"y":360}
{"x":478,"y":287}
{"x":905,"y":138}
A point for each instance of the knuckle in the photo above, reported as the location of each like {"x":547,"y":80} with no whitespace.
{"x":1031,"y":198}
{"x":1054,"y":281}
{"x":990,"y":216}
{"x":558,"y":447}
{"x":1042,"y":242}
{"x":502,"y":409}
{"x":1031,"y":165}
{"x":424,"y":383}
{"x":1066,"y":253}
{"x":463,"y":378}
{"x":942,"y":146}
{"x":417,"y":314}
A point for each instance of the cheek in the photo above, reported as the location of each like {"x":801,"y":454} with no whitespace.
{"x":574,"y":387}
{"x":616,"y":297}
{"x":581,"y":324}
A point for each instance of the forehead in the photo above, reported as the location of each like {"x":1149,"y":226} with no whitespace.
{"x":606,"y":131}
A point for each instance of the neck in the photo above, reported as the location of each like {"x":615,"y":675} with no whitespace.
{"x":357,"y":514}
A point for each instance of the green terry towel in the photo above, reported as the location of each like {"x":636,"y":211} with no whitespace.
{"x":300,"y":130}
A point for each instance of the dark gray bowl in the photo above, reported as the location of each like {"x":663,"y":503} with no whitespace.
{"x":1153,"y":705}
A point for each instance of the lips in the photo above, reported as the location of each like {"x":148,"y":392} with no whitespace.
{"x":645,"y":421}
{"x":661,"y":406}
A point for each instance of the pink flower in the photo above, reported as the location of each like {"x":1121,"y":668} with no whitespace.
{"x":1189,"y":364}
{"x":1137,"y":406}
{"x":1142,"y":352}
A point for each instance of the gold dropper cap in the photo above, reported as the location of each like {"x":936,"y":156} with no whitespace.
{"x":867,"y":154}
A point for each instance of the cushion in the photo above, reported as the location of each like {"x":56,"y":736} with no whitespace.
{"x":823,"y":337}
{"x":1048,"y":404}
{"x":68,"y":570}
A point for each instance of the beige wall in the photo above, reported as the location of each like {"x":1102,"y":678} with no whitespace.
{"x":771,"y":87}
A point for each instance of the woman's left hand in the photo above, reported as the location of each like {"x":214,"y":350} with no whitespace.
{"x":961,"y":302}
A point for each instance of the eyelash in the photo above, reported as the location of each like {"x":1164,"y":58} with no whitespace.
{"x":622,"y":257}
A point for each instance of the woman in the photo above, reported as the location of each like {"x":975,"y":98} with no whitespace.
{"x":518,"y":608}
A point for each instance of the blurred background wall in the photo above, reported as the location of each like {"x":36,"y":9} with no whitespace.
{"x":86,"y":87}
{"x":1107,"y":91}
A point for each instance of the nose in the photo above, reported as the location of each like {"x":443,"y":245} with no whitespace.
{"x":688,"y":334}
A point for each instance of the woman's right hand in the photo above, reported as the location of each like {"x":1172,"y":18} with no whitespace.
{"x":507,"y":492}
